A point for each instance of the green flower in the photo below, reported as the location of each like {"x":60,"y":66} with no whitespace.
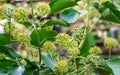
{"x":110,"y":43}
{"x":42,"y":9}
{"x":73,"y":51}
{"x":21,"y":37}
{"x":20,"y":14}
{"x":95,"y":50}
{"x":62,"y":66}
{"x":63,"y":39}
{"x":48,"y":46}
{"x":6,"y":27}
{"x":94,"y":59}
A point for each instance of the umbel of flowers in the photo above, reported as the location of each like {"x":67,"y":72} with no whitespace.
{"x":20,"y":14}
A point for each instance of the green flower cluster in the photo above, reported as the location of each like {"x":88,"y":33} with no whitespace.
{"x":62,"y":66}
{"x":6,"y":27}
{"x":49,"y":46}
{"x":72,"y":48}
{"x":42,"y":9}
{"x":32,"y":52}
{"x":94,"y":59}
{"x":95,"y":50}
{"x":21,"y":37}
{"x":20,"y":14}
{"x":78,"y":33}
{"x":110,"y":43}
{"x":65,"y":41}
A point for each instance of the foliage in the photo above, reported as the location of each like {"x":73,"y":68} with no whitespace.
{"x":44,"y":51}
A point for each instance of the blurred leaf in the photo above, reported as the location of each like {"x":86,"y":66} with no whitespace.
{"x":9,"y":51}
{"x":70,"y":15}
{"x":55,"y":22}
{"x":89,"y":41}
{"x":16,"y":70}
{"x":26,"y":23}
{"x":5,"y":64}
{"x":2,"y":73}
{"x":61,"y":4}
{"x":49,"y":62}
{"x":4,"y":39}
{"x":52,"y":2}
{"x":104,"y":67}
{"x":114,"y":64}
{"x":109,"y":11}
{"x":43,"y":34}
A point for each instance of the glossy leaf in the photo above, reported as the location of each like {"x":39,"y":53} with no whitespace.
{"x":55,"y":22}
{"x":62,"y":4}
{"x":9,"y":51}
{"x":89,"y":41}
{"x":4,"y":39}
{"x":114,"y":64}
{"x":109,"y":11}
{"x":43,"y":34}
{"x":16,"y":70}
{"x":49,"y":62}
{"x":26,"y":23}
{"x":70,"y":15}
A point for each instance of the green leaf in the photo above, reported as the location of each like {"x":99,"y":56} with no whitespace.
{"x":70,"y":15}
{"x":49,"y":62}
{"x":114,"y":64}
{"x":55,"y":22}
{"x":26,"y":23}
{"x":43,"y":34}
{"x":108,"y":11}
{"x":4,"y":39}
{"x":16,"y":70}
{"x":2,"y":73}
{"x":89,"y":41}
{"x":5,"y":64}
{"x":104,"y":67}
{"x":62,"y":4}
{"x":9,"y":51}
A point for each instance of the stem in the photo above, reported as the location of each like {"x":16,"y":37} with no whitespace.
{"x":75,"y":63}
{"x":35,"y":28}
{"x":110,"y":53}
{"x":9,"y":22}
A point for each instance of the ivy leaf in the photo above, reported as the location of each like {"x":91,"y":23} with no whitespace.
{"x":43,"y":34}
{"x":48,"y":60}
{"x":114,"y":64}
{"x":70,"y":15}
{"x":57,"y":5}
{"x":4,"y":39}
{"x":109,"y":11}
{"x":26,"y":23}
{"x":55,"y":22}
{"x":89,"y":41}
{"x":9,"y":52}
{"x":16,"y":70}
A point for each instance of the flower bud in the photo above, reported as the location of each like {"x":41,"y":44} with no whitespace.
{"x":2,"y":56}
{"x":62,"y":66}
{"x":110,"y":43}
{"x":95,"y":50}
{"x":48,"y":46}
{"x":20,"y":14}
{"x":42,"y":9}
